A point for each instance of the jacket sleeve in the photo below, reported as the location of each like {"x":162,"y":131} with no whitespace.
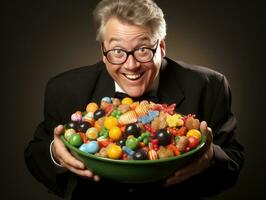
{"x":37,"y":154}
{"x":228,"y":152}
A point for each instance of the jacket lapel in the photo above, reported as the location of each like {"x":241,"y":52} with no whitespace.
{"x":104,"y":87}
{"x":170,"y":90}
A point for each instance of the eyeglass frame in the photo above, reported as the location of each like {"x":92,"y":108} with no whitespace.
{"x":130,"y":53}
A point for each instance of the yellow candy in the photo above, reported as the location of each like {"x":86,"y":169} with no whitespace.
{"x":114,"y":151}
{"x":174,"y":120}
{"x":92,"y":107}
{"x":194,"y":133}
{"x":127,"y":101}
{"x":115,"y":133}
{"x":110,"y":122}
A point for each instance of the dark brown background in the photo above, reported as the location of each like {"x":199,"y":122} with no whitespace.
{"x":43,"y":38}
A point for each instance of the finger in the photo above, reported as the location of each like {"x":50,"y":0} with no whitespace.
{"x":69,"y":160}
{"x":203,"y":127}
{"x":174,"y":180}
{"x":96,"y":178}
{"x":81,"y":172}
{"x":62,"y":154}
{"x":59,"y":130}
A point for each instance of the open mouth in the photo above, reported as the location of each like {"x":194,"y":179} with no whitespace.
{"x":133,"y":77}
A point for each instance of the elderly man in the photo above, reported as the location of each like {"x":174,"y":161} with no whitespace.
{"x":132,"y":36}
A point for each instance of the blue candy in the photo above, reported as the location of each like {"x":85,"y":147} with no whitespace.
{"x":92,"y":147}
{"x":107,"y":99}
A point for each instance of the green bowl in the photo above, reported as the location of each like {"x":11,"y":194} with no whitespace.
{"x":134,"y":171}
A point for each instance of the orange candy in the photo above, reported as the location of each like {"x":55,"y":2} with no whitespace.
{"x":110,"y":122}
{"x":114,"y":151}
{"x":115,"y":133}
{"x":92,"y":107}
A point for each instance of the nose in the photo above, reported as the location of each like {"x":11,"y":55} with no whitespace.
{"x":131,"y":63}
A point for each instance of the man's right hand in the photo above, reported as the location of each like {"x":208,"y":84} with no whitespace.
{"x":62,"y":155}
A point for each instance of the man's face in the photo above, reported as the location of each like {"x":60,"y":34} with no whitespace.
{"x":132,"y":76}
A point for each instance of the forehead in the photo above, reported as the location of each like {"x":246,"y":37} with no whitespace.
{"x":117,"y":31}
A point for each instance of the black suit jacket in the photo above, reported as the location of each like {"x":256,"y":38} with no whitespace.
{"x":194,"y":89}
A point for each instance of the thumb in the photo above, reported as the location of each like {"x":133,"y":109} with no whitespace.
{"x":59,"y":130}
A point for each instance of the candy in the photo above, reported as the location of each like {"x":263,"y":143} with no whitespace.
{"x":92,"y":133}
{"x":110,"y":122}
{"x":132,"y":130}
{"x":92,"y":107}
{"x":128,"y":118}
{"x":114,"y":151}
{"x":115,"y":133}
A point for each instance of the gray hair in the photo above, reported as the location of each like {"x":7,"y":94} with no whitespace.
{"x":138,"y":12}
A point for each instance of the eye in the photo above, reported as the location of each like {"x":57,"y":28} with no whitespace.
{"x":117,"y":51}
{"x":142,"y":50}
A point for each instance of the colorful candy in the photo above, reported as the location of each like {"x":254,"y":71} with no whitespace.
{"x":132,"y":130}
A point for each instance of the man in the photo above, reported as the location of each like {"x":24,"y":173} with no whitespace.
{"x":132,"y":34}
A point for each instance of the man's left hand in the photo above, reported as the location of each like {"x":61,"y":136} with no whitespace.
{"x":198,"y":165}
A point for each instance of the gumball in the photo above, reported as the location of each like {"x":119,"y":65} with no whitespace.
{"x":121,"y":142}
{"x":92,"y":107}
{"x":107,"y":99}
{"x":115,"y":133}
{"x":127,"y":101}
{"x":73,"y":125}
{"x":92,"y":133}
{"x":75,"y":140}
{"x":140,"y":154}
{"x":164,"y":138}
{"x":132,"y":129}
{"x":193,"y":142}
{"x":68,"y":133}
{"x":92,"y":147}
{"x":76,"y":117}
{"x":114,"y":151}
{"x":195,"y":133}
{"x":132,"y":143}
{"x":98,"y":114}
{"x":83,"y":127}
{"x":110,"y":122}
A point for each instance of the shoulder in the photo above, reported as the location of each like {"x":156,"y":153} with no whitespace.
{"x":76,"y":77}
{"x":192,"y":74}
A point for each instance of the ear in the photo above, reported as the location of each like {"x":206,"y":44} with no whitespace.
{"x":163,"y":47}
{"x":103,"y":57}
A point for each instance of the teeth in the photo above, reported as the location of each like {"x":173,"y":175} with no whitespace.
{"x":133,"y":76}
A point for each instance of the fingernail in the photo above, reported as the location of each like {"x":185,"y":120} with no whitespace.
{"x":96,"y":178}
{"x":89,"y":173}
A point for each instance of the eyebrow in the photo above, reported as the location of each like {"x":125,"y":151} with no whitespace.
{"x":143,"y":39}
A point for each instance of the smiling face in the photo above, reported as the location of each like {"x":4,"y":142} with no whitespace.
{"x":132,"y":76}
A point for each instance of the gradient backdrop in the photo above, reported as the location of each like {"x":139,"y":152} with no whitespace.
{"x":43,"y":38}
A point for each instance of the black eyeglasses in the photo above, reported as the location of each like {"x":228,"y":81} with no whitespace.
{"x":119,"y":56}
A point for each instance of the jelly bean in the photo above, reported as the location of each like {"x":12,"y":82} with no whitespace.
{"x":75,"y":140}
{"x":127,"y":150}
{"x":132,"y":143}
{"x":92,"y":147}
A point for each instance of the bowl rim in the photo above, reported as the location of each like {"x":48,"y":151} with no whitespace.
{"x":136,"y":162}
